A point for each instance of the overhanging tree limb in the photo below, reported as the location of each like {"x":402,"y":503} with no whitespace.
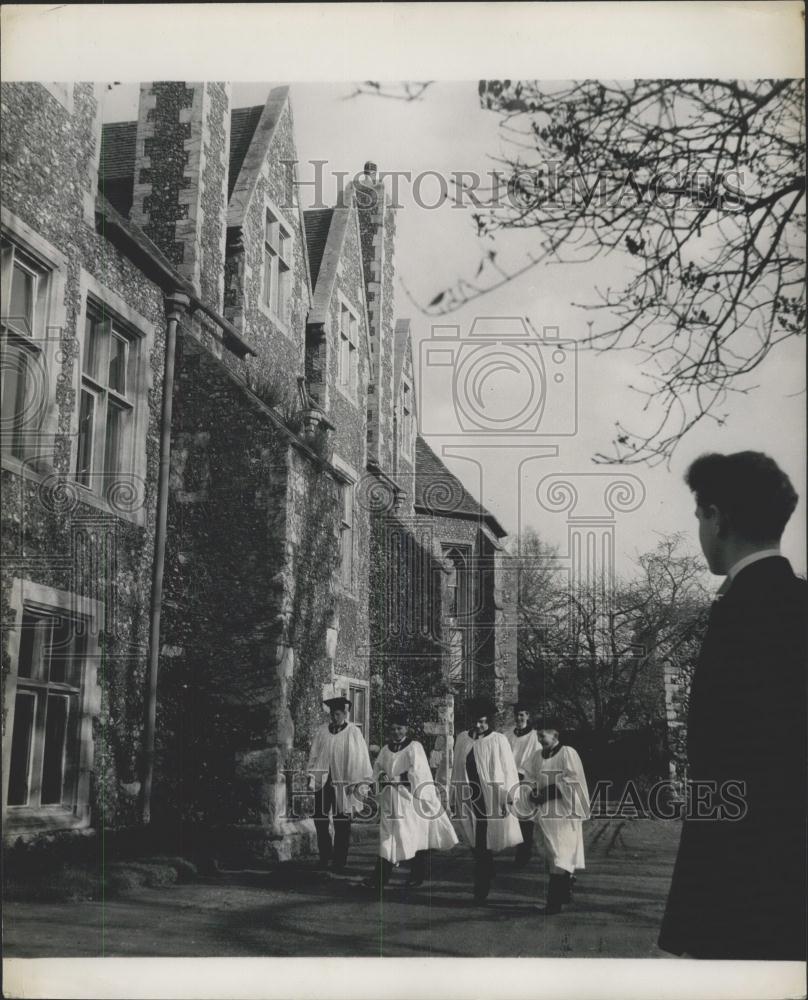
{"x":700,"y":185}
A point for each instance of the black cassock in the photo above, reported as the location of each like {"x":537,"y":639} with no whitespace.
{"x":738,"y":889}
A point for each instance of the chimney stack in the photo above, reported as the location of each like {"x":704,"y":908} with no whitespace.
{"x":180,"y":191}
{"x":377,"y":227}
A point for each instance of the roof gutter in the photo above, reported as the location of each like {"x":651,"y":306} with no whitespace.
{"x":231,"y":338}
{"x":141,"y":249}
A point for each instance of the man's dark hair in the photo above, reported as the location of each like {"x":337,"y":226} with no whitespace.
{"x":749,"y":488}
{"x":481,"y":707}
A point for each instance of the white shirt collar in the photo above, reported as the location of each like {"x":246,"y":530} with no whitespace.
{"x":735,"y":569}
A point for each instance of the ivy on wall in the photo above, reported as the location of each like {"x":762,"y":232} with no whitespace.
{"x":407,"y":665}
{"x":315,"y":561}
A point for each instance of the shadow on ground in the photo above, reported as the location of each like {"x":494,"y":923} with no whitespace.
{"x":299,"y":910}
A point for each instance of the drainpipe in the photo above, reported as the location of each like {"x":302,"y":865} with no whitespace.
{"x":396,"y":469}
{"x":176,"y":305}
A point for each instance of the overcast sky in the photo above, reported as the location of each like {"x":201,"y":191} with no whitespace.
{"x":447,"y":132}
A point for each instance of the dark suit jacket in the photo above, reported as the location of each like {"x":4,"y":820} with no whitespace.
{"x":738,"y":889}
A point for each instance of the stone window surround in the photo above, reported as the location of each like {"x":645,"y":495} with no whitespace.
{"x":349,"y":477}
{"x":470,"y":585}
{"x":342,"y":685}
{"x":407,"y":435}
{"x":22,"y":819}
{"x":281,"y":323}
{"x":461,"y":624}
{"x":342,"y":301}
{"x":143,"y":332}
{"x":317,"y":339}
{"x":55,"y":263}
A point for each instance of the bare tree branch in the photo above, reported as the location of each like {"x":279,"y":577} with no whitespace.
{"x":700,"y":186}
{"x":404,"y":91}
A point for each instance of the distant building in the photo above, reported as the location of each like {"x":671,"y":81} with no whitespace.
{"x":168,"y":636}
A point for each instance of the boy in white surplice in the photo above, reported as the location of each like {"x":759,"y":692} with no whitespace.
{"x":562,"y":797}
{"x":524,"y":743}
{"x":484,"y":782}
{"x":412,"y":819}
{"x":338,"y":762}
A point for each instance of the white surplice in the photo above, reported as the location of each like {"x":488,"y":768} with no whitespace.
{"x":498,"y":778}
{"x":560,"y":818}
{"x":344,"y":756}
{"x":411,"y":818}
{"x":523,"y":747}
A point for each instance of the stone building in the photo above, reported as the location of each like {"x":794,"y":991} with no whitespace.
{"x":217,"y":508}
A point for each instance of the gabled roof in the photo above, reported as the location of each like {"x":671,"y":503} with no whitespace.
{"x":325,"y":231}
{"x":116,"y":172}
{"x":439,"y":491}
{"x":255,"y":138}
{"x":318,"y":224}
{"x":243,"y":122}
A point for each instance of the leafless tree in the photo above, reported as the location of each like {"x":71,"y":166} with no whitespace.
{"x":594,"y":661}
{"x":700,"y":185}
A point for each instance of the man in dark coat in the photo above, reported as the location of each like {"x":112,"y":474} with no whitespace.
{"x":739,"y":885}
